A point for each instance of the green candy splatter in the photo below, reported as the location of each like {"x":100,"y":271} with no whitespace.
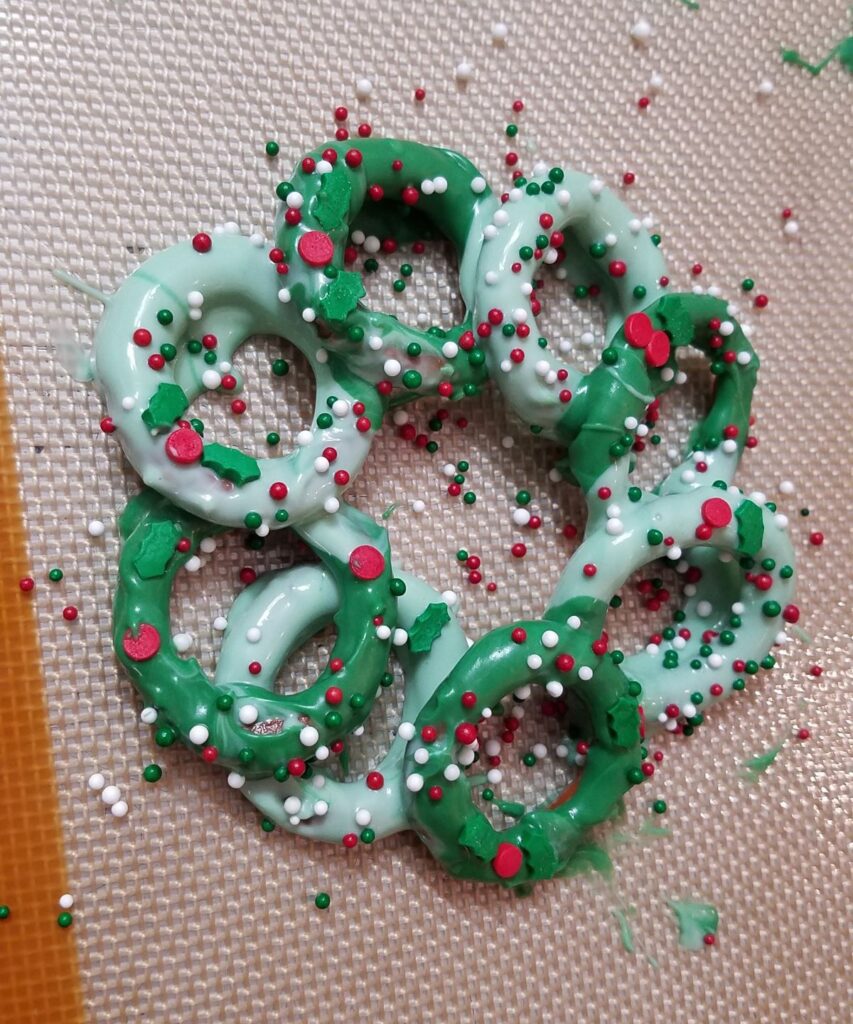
{"x":755,"y":767}
{"x":695,"y":921}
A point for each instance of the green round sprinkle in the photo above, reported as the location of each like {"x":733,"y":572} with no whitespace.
{"x":462,"y":555}
{"x":541,"y":241}
{"x":597,"y":250}
{"x":617,"y":657}
{"x":165,"y":736}
{"x":55,"y":575}
{"x":508,"y":330}
{"x":616,"y":601}
{"x":397,"y":587}
{"x":635,"y":776}
{"x":670,"y":659}
{"x":768,"y":661}
{"x":283,"y":189}
{"x":246,"y":756}
{"x":333,"y":719}
{"x":253,"y":520}
{"x":655,"y":438}
{"x":254,"y":542}
{"x":634,"y":688}
{"x":727,"y":637}
{"x":469,"y":497}
{"x":654,"y":537}
{"x":399,"y":285}
{"x":197,"y":426}
{"x":771,"y":609}
{"x":210,"y":357}
{"x":532,"y":189}
{"x":280,"y":367}
{"x":463,"y":466}
{"x":357,"y":701}
{"x":668,"y":633}
{"x":610,"y":357}
{"x":529,"y":759}
{"x":769,"y":564}
{"x":432,"y":447}
{"x":634,"y":493}
{"x":165,"y":317}
{"x":523,"y":497}
{"x":387,"y":679}
{"x":751,"y":667}
{"x":786,"y":572}
{"x":194,"y":346}
{"x":696,"y":698}
{"x":556,"y":174}
{"x":371,"y":265}
{"x":435,"y":424}
{"x":267,"y":825}
{"x":688,"y":729}
{"x":367,"y":835}
{"x":747,"y":284}
{"x":655,"y":239}
{"x":581,"y":291}
{"x":476,"y":357}
{"x":152,"y":773}
{"x":281,"y":774}
{"x":355,"y":333}
{"x":168,"y":351}
{"x":469,"y":390}
{"x":739,"y":684}
{"x":65,"y":919}
{"x":705,"y":650}
{"x":512,"y":130}
{"x":282,"y":515}
{"x":526,"y":252}
{"x":324,"y":420}
{"x":659,"y":806}
{"x":695,"y":664}
{"x":488,"y":794}
{"x":273,"y":438}
{"x":640,"y":291}
{"x":271,"y":148}
{"x":322,"y":901}
{"x":224,"y":702}
{"x":548,"y":188}
{"x":413,"y":349}
{"x":406,"y":270}
{"x":412,"y":379}
{"x":4,"y":912}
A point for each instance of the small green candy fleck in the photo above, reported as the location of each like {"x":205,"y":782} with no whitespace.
{"x":198,"y":427}
{"x":581,"y":291}
{"x":476,"y":357}
{"x":747,"y":284}
{"x":165,"y":317}
{"x":768,"y":661}
{"x":659,"y":806}
{"x":526,"y":252}
{"x":194,"y":346}
{"x":371,"y":265}
{"x":634,"y":494}
{"x":616,"y":601}
{"x":4,"y":912}
{"x":355,"y":333}
{"x":634,"y":688}
{"x":610,"y":357}
{"x":751,"y":667}
{"x":224,"y":702}
{"x":271,"y":148}
{"x":168,"y":351}
{"x":488,"y":794}
{"x":280,"y":367}
{"x":283,"y":189}
{"x":152,"y":773}
{"x":469,"y":497}
{"x":463,"y":466}
{"x":65,"y":920}
{"x":655,"y":239}
{"x":246,"y":756}
{"x":529,"y":759}
{"x":333,"y":719}
{"x":617,"y":657}
{"x":523,"y":497}
{"x":705,"y":650}
{"x":253,"y":520}
{"x":786,"y":572}
{"x":55,"y":575}
{"x":670,"y":660}
{"x":739,"y":684}
{"x":556,"y":175}
{"x":508,"y":330}
{"x":267,"y":825}
{"x":432,"y":447}
{"x":322,"y":901}
{"x":695,"y":664}
{"x":696,"y":698}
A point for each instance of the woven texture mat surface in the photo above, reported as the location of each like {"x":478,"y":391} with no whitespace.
{"x":130,"y":125}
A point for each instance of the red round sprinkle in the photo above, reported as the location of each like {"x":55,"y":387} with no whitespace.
{"x":316,"y":248}
{"x":791,"y":613}
{"x":803,"y":734}
{"x":366,"y":562}
{"x":761,"y":301}
{"x":278,"y":490}
{"x":617,"y":268}
{"x":469,"y":699}
{"x":429,"y":733}
{"x":507,"y":861}
{"x":142,"y":337}
{"x":350,"y":840}
{"x":716,"y":512}
{"x":69,"y":613}
{"x":255,"y":668}
{"x":375,"y":780}
{"x":564,"y":662}
{"x":209,"y":754}
{"x":589,"y":569}
{"x":466,"y":733}
{"x":141,"y":647}
{"x":710,"y":939}
{"x":518,"y":635}
{"x":435,"y":793}
{"x":296,"y":767}
{"x":353,"y":158}
{"x":410,"y":195}
{"x":518,"y":550}
{"x":202,"y":242}
{"x":26,"y":584}
{"x":156,"y":361}
{"x":341,"y":477}
{"x":420,"y":95}
{"x":341,"y":113}
{"x":816,"y":538}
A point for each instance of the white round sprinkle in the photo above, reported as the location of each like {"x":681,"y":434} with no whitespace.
{"x":466,"y":756}
{"x":452,"y":772}
{"x":421,"y":755}
{"x":573,"y":622}
{"x":363,"y":88}
{"x":235,"y":780}
{"x":309,"y":315}
{"x":494,"y":776}
{"x":95,"y":528}
{"x":220,"y":623}
{"x":585,"y":672}
{"x":199,"y":734}
{"x":383,"y":632}
{"x":110,"y":795}
{"x":321,"y":808}
{"x":309,"y":736}
{"x":66,"y":901}
{"x":96,"y":782}
{"x":449,"y":598}
{"x":478,"y":185}
{"x":148,"y":716}
{"x":534,"y":662}
{"x":414,"y":783}
{"x":765,"y":87}
{"x":614,"y":527}
{"x":363,"y":817}
{"x":642,"y":31}
{"x":554,"y":688}
{"x":119,"y":809}
{"x":418,"y":506}
{"x":406,"y":731}
{"x":292,"y":805}
{"x":550,"y":638}
{"x":392,"y":368}
{"x":248,"y":714}
{"x":331,"y":505}
{"x":253,"y":634}
{"x":321,"y":464}
{"x":464,"y":71}
{"x":400,"y":637}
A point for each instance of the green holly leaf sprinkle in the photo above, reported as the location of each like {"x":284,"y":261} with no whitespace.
{"x":230,"y":463}
{"x":341,"y":296}
{"x":156,"y":549}
{"x":168,"y":403}
{"x":427,"y":627}
{"x":750,"y":528}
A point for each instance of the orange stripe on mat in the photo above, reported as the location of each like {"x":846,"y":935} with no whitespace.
{"x":39,"y":982}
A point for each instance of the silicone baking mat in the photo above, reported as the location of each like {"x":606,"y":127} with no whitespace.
{"x":129,"y":125}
